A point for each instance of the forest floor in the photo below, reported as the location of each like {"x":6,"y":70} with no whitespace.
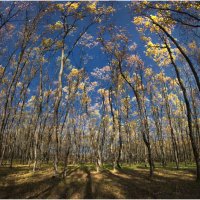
{"x":84,"y":182}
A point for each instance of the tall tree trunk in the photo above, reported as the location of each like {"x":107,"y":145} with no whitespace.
{"x":56,"y":109}
{"x":189,"y":116}
{"x":173,"y":138}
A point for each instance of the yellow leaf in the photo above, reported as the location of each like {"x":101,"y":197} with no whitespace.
{"x":138,"y":20}
{"x":72,"y":6}
{"x":92,"y":7}
{"x":58,"y":25}
{"x":74,"y":72}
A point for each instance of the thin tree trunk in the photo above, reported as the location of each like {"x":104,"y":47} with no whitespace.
{"x":189,"y":117}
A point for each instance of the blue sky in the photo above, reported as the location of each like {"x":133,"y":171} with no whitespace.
{"x":121,"y":18}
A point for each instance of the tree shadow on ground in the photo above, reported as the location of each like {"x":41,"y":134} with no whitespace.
{"x":6,"y":171}
{"x":88,"y":187}
{"x":137,"y":184}
{"x":28,"y":189}
{"x":76,"y":185}
{"x":123,"y":186}
{"x":40,"y":184}
{"x":82,"y":182}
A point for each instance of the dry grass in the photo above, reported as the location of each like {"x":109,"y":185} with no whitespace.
{"x":84,"y":182}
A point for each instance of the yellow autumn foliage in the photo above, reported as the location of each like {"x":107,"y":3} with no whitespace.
{"x":59,"y":44}
{"x":173,"y":98}
{"x":92,"y":7}
{"x":138,"y":20}
{"x":74,"y":72}
{"x":192,"y":45}
{"x":60,"y":6}
{"x":148,"y":72}
{"x":81,"y":86}
{"x":101,"y":91}
{"x":1,"y":70}
{"x":46,"y":42}
{"x":72,"y":6}
{"x":58,"y":25}
{"x":85,"y":99}
{"x":159,"y":53}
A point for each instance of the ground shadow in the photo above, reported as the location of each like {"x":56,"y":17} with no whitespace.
{"x":84,"y":182}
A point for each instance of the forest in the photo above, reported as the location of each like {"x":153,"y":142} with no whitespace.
{"x":100,"y":99}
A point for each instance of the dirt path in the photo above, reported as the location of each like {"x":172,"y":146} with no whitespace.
{"x":77,"y":185}
{"x":88,"y":187}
